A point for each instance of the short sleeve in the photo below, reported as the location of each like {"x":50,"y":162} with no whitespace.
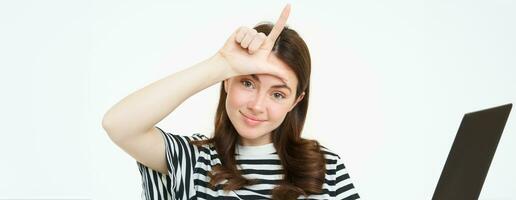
{"x":181,"y":159}
{"x":343,"y":188}
{"x":155,"y":185}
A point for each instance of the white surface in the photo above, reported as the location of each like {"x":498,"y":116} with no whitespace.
{"x":390,"y":84}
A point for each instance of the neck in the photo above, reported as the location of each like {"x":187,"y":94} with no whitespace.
{"x":262,"y":140}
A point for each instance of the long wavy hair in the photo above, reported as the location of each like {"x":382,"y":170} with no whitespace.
{"x":302,"y":160}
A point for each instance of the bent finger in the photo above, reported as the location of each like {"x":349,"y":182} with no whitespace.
{"x":240,"y":34}
{"x":256,"y":42}
{"x":248,"y":38}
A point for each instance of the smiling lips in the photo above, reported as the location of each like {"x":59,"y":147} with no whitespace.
{"x":251,"y":121}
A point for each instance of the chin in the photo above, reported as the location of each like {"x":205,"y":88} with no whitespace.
{"x":248,"y":133}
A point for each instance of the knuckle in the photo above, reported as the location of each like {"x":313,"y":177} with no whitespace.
{"x":262,"y":37}
{"x":251,"y":33}
{"x":245,"y":43}
{"x":246,"y":39}
{"x":253,"y":44}
{"x":238,"y":39}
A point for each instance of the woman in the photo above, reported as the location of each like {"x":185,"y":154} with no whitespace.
{"x":257,"y":151}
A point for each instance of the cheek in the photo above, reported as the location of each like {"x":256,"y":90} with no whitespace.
{"x":278,"y":111}
{"x":238,"y":97}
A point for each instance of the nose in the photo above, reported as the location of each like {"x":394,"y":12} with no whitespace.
{"x":257,"y":104}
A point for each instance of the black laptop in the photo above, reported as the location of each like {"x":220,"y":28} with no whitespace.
{"x":471,"y":154}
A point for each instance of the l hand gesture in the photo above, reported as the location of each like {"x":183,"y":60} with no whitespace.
{"x":247,"y":51}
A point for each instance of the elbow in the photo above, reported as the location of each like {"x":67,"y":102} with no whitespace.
{"x":107,"y":125}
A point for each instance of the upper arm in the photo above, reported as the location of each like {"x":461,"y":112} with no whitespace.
{"x":147,"y":148}
{"x":166,"y":161}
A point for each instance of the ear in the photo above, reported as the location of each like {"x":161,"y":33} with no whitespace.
{"x":297,"y":101}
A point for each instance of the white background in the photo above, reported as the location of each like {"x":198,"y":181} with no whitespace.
{"x":391,"y":81}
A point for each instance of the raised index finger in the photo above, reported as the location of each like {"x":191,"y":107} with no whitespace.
{"x":278,"y":27}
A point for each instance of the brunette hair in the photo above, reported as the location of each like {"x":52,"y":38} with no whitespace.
{"x":302,"y":160}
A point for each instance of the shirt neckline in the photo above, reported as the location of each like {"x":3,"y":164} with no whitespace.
{"x":255,"y":150}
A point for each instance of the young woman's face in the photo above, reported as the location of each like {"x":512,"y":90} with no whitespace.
{"x":257,"y":104}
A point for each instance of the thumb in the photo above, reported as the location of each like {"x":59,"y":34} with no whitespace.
{"x":277,"y":72}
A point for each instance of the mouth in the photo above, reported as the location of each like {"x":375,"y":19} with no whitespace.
{"x":251,"y":121}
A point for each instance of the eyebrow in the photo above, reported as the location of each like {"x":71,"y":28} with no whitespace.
{"x":274,"y":86}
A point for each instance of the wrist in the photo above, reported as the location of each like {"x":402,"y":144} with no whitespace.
{"x":220,"y":63}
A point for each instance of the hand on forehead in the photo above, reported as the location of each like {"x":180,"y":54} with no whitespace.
{"x":286,"y":71}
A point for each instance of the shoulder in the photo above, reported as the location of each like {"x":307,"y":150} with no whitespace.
{"x":175,"y":135}
{"x":339,"y":180}
{"x":175,"y":138}
{"x":329,"y":153}
{"x":334,"y":162}
{"x":330,"y":156}
{"x":199,"y":136}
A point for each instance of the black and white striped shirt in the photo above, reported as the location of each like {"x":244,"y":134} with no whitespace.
{"x":189,"y":165}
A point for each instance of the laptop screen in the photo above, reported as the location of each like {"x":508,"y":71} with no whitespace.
{"x":471,"y":154}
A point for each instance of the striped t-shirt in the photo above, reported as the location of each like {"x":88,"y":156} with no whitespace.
{"x":188,"y":167}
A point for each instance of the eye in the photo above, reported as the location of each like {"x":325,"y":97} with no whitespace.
{"x":278,"y":94}
{"x":246,"y":83}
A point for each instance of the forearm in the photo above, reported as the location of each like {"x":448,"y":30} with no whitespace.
{"x":143,"y":109}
